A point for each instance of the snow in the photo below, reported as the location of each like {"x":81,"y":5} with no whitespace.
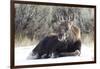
{"x":22,"y":56}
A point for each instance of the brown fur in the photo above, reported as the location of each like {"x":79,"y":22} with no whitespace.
{"x":76,"y":32}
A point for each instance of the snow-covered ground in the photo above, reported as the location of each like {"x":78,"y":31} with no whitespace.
{"x":23,"y":53}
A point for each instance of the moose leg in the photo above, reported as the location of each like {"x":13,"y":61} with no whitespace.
{"x":73,"y":50}
{"x":75,"y":53}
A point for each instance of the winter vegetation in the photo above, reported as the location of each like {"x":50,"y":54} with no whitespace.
{"x":34,"y":22}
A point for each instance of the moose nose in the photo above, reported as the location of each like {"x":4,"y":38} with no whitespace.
{"x":62,"y":37}
{"x":62,"y":33}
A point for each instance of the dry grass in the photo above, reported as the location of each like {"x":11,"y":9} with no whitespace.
{"x":87,"y":39}
{"x":25,"y":41}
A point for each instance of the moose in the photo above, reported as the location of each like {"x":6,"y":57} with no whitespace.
{"x":66,"y":42}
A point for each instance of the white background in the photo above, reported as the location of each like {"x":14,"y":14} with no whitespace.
{"x":5,"y":34}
